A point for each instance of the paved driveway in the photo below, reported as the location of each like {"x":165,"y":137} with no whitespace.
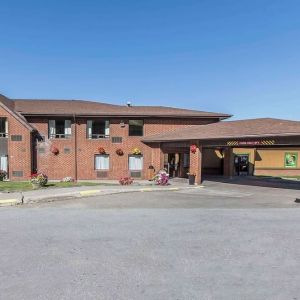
{"x":217,"y":242}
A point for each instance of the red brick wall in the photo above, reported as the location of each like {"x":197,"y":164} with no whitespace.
{"x":196,"y":163}
{"x":62,"y":165}
{"x":19,"y":152}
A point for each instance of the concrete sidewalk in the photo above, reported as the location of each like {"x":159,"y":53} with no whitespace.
{"x":52,"y":194}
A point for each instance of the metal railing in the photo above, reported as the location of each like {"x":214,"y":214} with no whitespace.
{"x":98,"y":136}
{"x":3,"y":134}
{"x":60,"y":136}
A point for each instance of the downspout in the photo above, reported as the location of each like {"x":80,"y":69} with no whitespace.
{"x":75,"y":148}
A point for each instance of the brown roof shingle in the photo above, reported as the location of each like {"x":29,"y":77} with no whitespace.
{"x":231,"y":129}
{"x":80,"y":107}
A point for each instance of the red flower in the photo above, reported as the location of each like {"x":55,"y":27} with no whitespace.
{"x":193,"y":148}
{"x":101,"y":150}
{"x":120,"y":152}
{"x":54,"y":150}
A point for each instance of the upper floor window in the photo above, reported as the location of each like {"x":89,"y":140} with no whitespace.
{"x":60,"y":129}
{"x":3,"y":127}
{"x":97,"y":129}
{"x":136,"y":127}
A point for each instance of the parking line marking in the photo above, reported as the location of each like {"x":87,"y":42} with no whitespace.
{"x":6,"y":201}
{"x":89,"y":192}
{"x":146,"y":190}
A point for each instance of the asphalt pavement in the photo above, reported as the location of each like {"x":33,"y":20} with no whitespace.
{"x":216,"y":242}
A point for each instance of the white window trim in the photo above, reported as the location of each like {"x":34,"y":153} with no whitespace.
{"x":95,"y":162}
{"x":142,"y":162}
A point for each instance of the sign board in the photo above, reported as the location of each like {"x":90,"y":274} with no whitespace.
{"x":251,"y":143}
{"x":291,"y":160}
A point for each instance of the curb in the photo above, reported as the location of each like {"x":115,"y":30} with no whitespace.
{"x":10,"y":202}
{"x":87,"y":193}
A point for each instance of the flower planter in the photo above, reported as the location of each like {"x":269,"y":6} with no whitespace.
{"x":192,"y":179}
{"x":193,"y":148}
{"x":120,"y":152}
{"x":54,"y":150}
{"x":35,"y":186}
{"x":101,"y":150}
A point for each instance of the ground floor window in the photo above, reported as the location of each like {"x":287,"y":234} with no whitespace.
{"x":3,"y":163}
{"x":135,"y":162}
{"x":102,"y":162}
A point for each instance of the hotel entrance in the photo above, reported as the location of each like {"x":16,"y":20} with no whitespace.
{"x":177,"y":164}
{"x":241,"y":164}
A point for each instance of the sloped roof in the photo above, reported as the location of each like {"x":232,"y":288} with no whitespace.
{"x":231,"y":129}
{"x":85,"y":108}
{"x":8,"y":105}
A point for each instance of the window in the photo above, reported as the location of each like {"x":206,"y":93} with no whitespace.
{"x":4,"y":163}
{"x":60,"y":129}
{"x":186,"y":160}
{"x":136,"y":127}
{"x":97,"y":129}
{"x":135,"y":163}
{"x":102,"y":162}
{"x":3,"y":127}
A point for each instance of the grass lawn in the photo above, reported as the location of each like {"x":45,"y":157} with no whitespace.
{"x":10,"y":186}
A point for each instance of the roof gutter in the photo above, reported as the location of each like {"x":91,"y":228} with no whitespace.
{"x":222,"y":138}
{"x":128,"y":116}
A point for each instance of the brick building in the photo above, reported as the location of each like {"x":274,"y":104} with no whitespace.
{"x":91,"y":140}
{"x":266,"y":146}
{"x":80,"y":139}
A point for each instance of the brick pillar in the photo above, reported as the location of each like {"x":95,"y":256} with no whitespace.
{"x":228,"y":162}
{"x":196,"y":164}
{"x":157,"y":157}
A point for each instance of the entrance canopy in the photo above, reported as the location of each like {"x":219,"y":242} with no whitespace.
{"x":218,"y":147}
{"x":234,"y":132}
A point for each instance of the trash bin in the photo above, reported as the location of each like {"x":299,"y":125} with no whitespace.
{"x":192,"y":179}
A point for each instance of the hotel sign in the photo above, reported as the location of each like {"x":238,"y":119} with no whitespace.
{"x":251,"y":143}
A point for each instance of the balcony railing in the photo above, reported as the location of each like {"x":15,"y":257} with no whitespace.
{"x":3,"y":135}
{"x":60,"y":136}
{"x":98,"y":136}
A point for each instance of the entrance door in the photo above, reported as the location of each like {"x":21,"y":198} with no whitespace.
{"x":241,"y":163}
{"x":173,"y":164}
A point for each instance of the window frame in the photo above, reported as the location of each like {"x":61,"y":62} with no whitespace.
{"x":101,"y":155}
{"x":96,"y":136}
{"x":5,"y":121}
{"x":136,"y":156}
{"x":129,"y":133}
{"x":59,"y":135}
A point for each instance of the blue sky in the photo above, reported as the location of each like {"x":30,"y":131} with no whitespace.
{"x":239,"y":57}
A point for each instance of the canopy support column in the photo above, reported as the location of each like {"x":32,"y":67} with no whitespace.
{"x":196,"y":163}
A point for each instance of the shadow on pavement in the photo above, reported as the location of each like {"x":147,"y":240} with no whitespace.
{"x":271,"y":182}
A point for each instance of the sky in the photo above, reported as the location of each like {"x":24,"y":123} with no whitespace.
{"x":239,"y":57}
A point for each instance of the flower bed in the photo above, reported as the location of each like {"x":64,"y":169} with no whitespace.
{"x":126,"y":181}
{"x":161,"y":178}
{"x":38,"y":179}
{"x":2,"y":174}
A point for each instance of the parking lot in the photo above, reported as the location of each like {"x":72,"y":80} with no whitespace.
{"x":221,"y":241}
